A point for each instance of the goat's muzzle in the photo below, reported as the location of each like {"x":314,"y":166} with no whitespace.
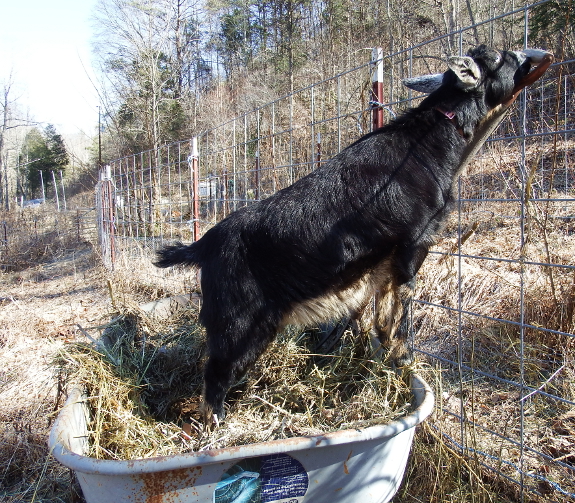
{"x":544,"y":60}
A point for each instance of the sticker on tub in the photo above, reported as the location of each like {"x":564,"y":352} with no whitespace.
{"x":277,"y":478}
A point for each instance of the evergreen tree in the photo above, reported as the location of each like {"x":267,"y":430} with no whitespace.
{"x":42,"y":153}
{"x":56,"y":147}
{"x":552,"y":25}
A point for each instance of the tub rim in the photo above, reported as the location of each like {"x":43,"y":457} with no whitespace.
{"x":60,"y":439}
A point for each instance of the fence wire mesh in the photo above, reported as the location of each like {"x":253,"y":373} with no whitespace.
{"x":39,"y":233}
{"x":494,"y":308}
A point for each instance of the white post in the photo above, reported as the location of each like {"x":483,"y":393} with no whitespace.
{"x":56,"y":191}
{"x":377,"y":87}
{"x":194,"y":158}
{"x":63,"y":191}
{"x":43,"y":190}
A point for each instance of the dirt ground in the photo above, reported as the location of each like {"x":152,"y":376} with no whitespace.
{"x":40,"y":310}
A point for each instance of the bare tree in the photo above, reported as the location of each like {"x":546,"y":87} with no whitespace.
{"x":3,"y":128}
{"x":145,"y":51}
{"x":7,"y":123}
{"x":13,"y":127}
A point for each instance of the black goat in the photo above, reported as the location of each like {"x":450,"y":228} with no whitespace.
{"x":362,"y":222}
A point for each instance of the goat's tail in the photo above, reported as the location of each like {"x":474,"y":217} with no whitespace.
{"x":177,"y":253}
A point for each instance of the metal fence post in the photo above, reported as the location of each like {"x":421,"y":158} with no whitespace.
{"x":78,"y":226}
{"x":257,"y":178}
{"x":377,"y":87}
{"x":63,"y":191}
{"x":318,"y":151}
{"x":105,"y":217}
{"x":5,"y":227}
{"x":225,"y":193}
{"x":43,"y":188}
{"x":56,"y":191}
{"x":194,"y":157}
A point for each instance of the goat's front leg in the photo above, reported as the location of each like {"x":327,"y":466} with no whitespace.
{"x":231,"y":354}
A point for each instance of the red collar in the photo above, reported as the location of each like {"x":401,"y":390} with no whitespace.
{"x":450,"y":115}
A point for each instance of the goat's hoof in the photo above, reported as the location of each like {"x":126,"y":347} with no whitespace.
{"x":212,"y":417}
{"x":212,"y":423}
{"x":404,"y":360}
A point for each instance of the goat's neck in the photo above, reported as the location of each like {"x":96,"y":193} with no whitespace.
{"x":481,"y":132}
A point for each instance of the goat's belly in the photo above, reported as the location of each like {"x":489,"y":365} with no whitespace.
{"x":338,"y":304}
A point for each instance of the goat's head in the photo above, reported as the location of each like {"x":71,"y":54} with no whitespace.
{"x":498,"y":76}
{"x":491,"y":78}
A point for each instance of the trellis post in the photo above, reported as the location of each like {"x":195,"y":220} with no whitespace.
{"x":377,"y":87}
{"x":194,"y":157}
{"x":106,"y":220}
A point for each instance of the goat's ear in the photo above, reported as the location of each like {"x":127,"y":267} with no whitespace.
{"x":424,"y":83}
{"x":466,"y":70}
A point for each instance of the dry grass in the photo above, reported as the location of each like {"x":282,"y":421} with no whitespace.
{"x":33,"y":236}
{"x":438,"y":472}
{"x":39,"y":309}
{"x":41,"y":304}
{"x":497,"y":298}
{"x":147,"y":382}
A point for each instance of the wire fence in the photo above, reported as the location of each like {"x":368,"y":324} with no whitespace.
{"x":35,"y":234}
{"x":495,"y":302}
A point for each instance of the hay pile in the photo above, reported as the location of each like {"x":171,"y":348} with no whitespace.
{"x":144,"y":388}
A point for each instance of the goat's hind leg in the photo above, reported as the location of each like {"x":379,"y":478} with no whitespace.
{"x":391,"y":323}
{"x":381,"y":319}
{"x":393,"y":306}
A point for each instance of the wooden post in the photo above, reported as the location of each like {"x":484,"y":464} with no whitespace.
{"x":106,"y":223}
{"x":377,"y":87}
{"x":109,"y":215}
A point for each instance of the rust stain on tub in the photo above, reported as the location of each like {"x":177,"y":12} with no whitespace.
{"x":345,"y":469}
{"x":165,"y":487}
